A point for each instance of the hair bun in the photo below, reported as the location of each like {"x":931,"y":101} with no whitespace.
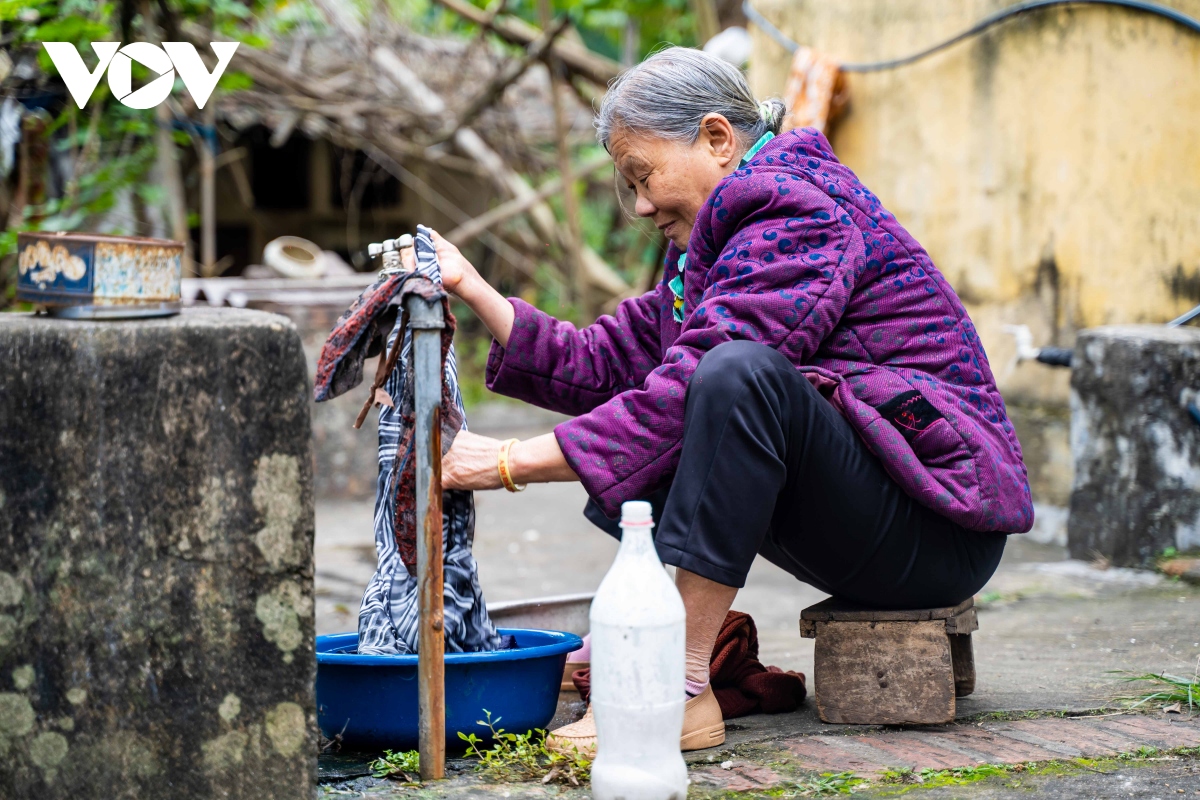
{"x":772,"y":112}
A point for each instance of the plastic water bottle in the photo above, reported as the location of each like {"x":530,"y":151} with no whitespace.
{"x":638,"y":695}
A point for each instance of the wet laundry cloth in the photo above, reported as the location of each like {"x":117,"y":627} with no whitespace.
{"x":742,"y":684}
{"x":375,"y":325}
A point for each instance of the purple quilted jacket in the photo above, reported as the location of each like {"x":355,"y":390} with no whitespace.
{"x":792,"y":251}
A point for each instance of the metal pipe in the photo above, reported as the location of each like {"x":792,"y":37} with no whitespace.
{"x":1184,"y":319}
{"x":426,"y":321}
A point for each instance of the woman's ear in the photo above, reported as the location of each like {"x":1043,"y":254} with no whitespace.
{"x":718,"y":137}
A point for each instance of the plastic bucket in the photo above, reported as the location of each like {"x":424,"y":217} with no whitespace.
{"x":372,"y":700}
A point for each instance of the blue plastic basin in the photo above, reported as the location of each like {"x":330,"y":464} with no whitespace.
{"x":372,"y":700}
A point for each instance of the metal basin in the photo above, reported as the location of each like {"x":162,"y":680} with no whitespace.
{"x":563,"y":612}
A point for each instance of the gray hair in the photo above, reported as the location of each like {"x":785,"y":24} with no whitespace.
{"x":670,"y":93}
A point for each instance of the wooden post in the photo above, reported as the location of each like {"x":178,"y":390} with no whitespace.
{"x":31,"y":176}
{"x":208,"y":193}
{"x":426,"y":322}
{"x":166,"y":155}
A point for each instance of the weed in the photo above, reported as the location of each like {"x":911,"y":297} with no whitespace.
{"x":1145,"y":751}
{"x":898,"y":775}
{"x":961,"y":774}
{"x":827,"y":783}
{"x":1167,"y":690}
{"x":946,"y":777}
{"x":403,"y":766}
{"x":525,"y":757}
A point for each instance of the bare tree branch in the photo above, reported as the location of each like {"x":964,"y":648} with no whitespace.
{"x":576,"y":57}
{"x":506,"y":77}
{"x":471,"y":230}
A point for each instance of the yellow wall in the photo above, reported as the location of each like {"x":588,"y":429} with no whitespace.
{"x":1051,"y":167}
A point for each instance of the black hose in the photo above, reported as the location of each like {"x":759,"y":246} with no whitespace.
{"x":1177,"y":17}
{"x":1055,"y":356}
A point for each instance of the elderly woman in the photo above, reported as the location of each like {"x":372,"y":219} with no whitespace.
{"x":803,"y":384}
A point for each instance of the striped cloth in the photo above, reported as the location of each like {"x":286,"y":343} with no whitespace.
{"x":387,"y":619}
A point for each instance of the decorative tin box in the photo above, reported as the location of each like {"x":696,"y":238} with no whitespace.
{"x":97,"y":276}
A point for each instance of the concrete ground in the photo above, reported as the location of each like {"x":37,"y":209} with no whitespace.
{"x":1055,"y":636}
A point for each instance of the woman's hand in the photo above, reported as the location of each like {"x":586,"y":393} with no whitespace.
{"x":457,"y":272}
{"x":460,"y":278}
{"x":471,"y":462}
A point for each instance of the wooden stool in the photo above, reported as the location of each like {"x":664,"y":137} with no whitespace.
{"x":890,"y":667}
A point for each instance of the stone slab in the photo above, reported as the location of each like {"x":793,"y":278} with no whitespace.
{"x":1135,"y":446}
{"x":156,"y":527}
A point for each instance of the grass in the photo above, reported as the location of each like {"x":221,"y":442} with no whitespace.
{"x":518,"y":757}
{"x":828,"y":783}
{"x":1167,"y":691}
{"x":945,"y":777}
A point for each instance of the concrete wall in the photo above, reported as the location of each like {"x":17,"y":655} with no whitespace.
{"x":1049,"y":166}
{"x":1136,"y":446}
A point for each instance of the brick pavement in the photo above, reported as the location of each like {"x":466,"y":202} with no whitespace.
{"x":962,"y":745}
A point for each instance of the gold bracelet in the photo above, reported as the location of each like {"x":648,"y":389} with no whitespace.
{"x":503,"y":468}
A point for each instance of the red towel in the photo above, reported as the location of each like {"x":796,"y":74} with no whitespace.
{"x":741,"y":683}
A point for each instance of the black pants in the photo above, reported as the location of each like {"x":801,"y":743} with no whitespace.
{"x":769,"y":467}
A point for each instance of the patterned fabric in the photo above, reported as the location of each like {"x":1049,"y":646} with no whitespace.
{"x":358,"y":335}
{"x":676,"y":283}
{"x":794,"y":252}
{"x":387,"y":618}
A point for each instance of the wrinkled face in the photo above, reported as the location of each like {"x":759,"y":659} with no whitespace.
{"x":673,"y":179}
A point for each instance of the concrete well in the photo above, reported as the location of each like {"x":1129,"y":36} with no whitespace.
{"x":156,"y":525}
{"x":1136,"y":447}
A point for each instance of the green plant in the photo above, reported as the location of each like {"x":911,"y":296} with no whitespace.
{"x":525,"y":757}
{"x":828,"y":783}
{"x":404,"y":766}
{"x":1145,"y":751}
{"x":1168,"y":690}
{"x":962,"y":774}
{"x":898,"y":775}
